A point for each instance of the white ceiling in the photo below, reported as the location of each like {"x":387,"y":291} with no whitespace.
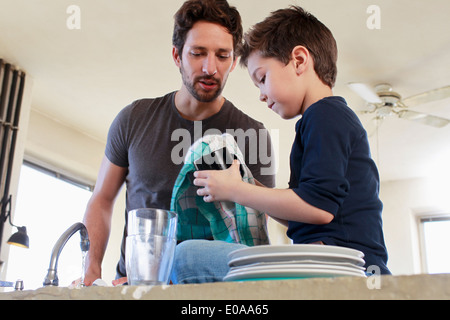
{"x":123,"y":52}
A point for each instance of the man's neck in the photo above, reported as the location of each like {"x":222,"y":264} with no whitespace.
{"x":194,"y":110}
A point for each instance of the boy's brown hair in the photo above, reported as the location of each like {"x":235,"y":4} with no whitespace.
{"x":215,"y":11}
{"x":283,"y":30}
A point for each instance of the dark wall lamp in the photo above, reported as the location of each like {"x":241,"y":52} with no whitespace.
{"x":20,"y":238}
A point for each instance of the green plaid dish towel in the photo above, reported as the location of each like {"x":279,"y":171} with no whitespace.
{"x":226,"y":221}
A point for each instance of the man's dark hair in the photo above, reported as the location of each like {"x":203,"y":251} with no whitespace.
{"x":215,"y":11}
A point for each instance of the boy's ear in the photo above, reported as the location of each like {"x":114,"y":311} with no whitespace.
{"x":300,"y":57}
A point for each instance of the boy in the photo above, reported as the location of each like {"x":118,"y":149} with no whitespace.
{"x":333,"y":189}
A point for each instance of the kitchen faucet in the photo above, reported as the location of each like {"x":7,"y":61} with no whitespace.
{"x":51,"y":279}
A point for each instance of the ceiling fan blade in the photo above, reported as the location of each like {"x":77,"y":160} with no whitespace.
{"x":365,"y":92}
{"x":429,"y":96}
{"x":423,"y":118}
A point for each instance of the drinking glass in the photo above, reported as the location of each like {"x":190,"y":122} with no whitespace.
{"x":150,"y":246}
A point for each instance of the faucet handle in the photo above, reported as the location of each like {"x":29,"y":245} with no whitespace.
{"x":19,"y":285}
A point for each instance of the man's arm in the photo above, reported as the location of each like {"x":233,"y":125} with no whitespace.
{"x":98,"y":216}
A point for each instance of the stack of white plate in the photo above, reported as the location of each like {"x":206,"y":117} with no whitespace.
{"x":293,"y":262}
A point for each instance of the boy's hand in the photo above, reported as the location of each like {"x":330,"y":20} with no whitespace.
{"x":218,"y":185}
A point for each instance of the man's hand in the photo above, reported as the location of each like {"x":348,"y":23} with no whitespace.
{"x":76,"y":283}
{"x":119,"y":281}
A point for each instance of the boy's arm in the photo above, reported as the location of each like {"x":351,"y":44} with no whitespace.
{"x":280,"y":221}
{"x":284,"y":204}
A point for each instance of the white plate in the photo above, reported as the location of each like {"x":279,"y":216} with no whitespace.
{"x":291,"y":248}
{"x":295,"y":257}
{"x":282,"y":273}
{"x":304,"y":262}
{"x":297,"y":252}
{"x":296,"y":266}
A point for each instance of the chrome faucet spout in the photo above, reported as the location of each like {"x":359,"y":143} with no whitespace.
{"x":51,"y":278}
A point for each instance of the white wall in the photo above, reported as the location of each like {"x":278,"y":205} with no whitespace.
{"x":56,"y":145}
{"x":404,"y":202}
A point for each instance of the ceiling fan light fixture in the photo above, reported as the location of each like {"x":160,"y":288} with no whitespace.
{"x":384,"y":111}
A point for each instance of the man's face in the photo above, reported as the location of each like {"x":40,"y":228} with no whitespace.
{"x":206,"y":60}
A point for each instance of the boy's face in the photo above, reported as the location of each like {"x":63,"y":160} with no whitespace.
{"x":206,"y":60}
{"x":278,"y":84}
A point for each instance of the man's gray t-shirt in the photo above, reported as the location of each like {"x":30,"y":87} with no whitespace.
{"x":150,"y":138}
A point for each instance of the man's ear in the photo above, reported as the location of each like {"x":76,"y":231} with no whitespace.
{"x":176,"y":57}
{"x":234,"y":63}
{"x":300,"y":57}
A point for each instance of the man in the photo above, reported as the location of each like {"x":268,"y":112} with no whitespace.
{"x":206,"y":37}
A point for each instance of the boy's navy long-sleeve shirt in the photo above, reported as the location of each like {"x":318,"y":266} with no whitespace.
{"x":332,"y":169}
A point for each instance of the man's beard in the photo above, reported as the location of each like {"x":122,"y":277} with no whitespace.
{"x":200,"y":95}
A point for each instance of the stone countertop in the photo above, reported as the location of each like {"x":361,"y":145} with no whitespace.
{"x":435,"y":287}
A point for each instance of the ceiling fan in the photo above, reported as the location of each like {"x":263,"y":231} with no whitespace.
{"x":384,"y":102}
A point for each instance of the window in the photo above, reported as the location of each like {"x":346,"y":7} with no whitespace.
{"x":435,"y":236}
{"x":47,"y":204}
